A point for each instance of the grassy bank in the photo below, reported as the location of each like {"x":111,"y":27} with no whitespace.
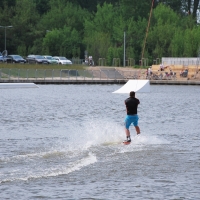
{"x":51,"y":66}
{"x":40,"y":66}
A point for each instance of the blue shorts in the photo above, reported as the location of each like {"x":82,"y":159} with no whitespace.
{"x":131,"y":119}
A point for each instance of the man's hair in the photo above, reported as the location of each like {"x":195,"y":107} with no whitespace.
{"x":132,"y":94}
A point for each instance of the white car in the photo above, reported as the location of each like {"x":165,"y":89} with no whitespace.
{"x":62,"y":60}
{"x":51,"y":60}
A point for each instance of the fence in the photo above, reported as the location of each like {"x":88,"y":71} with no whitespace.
{"x":144,"y":62}
{"x":179,"y":61}
{"x":65,"y":74}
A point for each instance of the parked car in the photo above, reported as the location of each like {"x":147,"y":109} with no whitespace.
{"x":1,"y":58}
{"x":14,"y":59}
{"x":62,"y":60}
{"x":51,"y":60}
{"x":37,"y":59}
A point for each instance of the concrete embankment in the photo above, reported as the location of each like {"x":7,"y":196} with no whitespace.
{"x":93,"y":75}
{"x":109,"y":81}
{"x":174,"y":82}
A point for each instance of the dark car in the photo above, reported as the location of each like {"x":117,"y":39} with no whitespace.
{"x":37,"y":59}
{"x":14,"y":59}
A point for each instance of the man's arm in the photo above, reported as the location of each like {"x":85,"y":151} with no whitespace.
{"x":125,"y":105}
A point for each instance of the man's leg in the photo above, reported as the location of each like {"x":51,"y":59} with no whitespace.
{"x":137,"y":128}
{"x":127,"y":132}
{"x":128,"y":137}
{"x":127,"y":125}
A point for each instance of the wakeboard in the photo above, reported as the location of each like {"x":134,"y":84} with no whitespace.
{"x":126,"y":143}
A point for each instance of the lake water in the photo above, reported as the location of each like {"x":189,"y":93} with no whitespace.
{"x":65,"y":142}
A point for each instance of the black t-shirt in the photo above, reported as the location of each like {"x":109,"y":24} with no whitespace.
{"x":131,"y":105}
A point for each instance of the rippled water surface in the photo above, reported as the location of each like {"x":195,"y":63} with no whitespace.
{"x":64,"y":142}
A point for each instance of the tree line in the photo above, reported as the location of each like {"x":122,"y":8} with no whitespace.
{"x":72,"y":27}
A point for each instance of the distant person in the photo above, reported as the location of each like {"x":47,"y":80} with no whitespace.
{"x":184,"y":73}
{"x":162,"y":67}
{"x":90,"y":61}
{"x":131,"y":117}
{"x":149,"y":72}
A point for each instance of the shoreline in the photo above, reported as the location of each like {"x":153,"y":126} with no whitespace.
{"x":102,"y":81}
{"x":93,"y":75}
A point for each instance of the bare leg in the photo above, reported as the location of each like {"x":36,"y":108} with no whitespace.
{"x":128,"y":137}
{"x":127,"y":132}
{"x":137,"y":128}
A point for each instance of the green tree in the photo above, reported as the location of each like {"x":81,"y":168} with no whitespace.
{"x":164,"y":24}
{"x":63,"y":42}
{"x":24,"y":23}
{"x":99,"y":31}
{"x":5,"y":20}
{"x":135,"y":38}
{"x":191,"y":42}
{"x":175,"y":5}
{"x":190,"y":7}
{"x":176,"y":48}
{"x":98,"y":45}
{"x":184,"y":7}
{"x":91,"y":5}
{"x":109,"y":22}
{"x":135,"y":9}
{"x":63,"y":14}
{"x":42,"y":6}
{"x":8,"y":3}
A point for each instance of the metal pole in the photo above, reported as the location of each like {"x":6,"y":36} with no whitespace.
{"x":147,"y":28}
{"x":5,"y":38}
{"x":124,"y":49}
{"x":5,"y":27}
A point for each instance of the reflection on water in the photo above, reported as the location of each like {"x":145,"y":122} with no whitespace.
{"x":64,"y":141}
